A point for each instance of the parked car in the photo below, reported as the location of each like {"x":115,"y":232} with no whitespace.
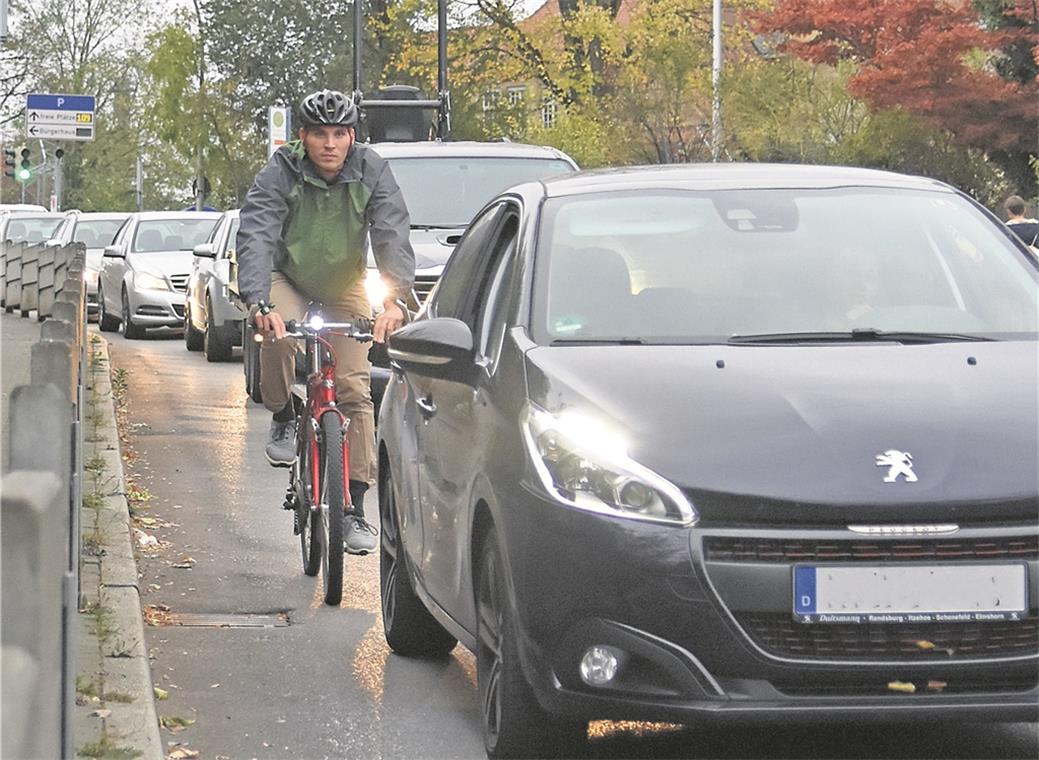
{"x":212,"y":321}
{"x":145,"y":271}
{"x":94,"y":230}
{"x":28,"y":226}
{"x":444,"y":184}
{"x":668,"y":444}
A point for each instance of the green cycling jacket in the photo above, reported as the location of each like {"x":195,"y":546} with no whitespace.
{"x":316,"y":232}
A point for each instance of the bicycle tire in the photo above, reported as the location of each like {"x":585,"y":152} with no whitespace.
{"x":308,"y":520}
{"x":333,"y":501}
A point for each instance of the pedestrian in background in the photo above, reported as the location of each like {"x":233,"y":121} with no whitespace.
{"x":1026,"y":229}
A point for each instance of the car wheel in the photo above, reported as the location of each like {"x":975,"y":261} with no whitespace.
{"x":130,"y":330}
{"x":105,"y":321}
{"x":217,"y":342}
{"x":514,"y":725}
{"x":409,"y":628}
{"x":192,"y":337}
{"x":251,"y":362}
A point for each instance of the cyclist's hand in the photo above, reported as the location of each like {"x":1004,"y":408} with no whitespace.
{"x":389,"y":320}
{"x":270,"y":324}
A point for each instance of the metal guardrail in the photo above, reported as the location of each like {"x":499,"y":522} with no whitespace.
{"x":41,"y":499}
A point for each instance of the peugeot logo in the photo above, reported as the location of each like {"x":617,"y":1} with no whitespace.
{"x":898,"y":463}
{"x":904,"y":530}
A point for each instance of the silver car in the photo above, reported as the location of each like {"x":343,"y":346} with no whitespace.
{"x":94,"y":230}
{"x":212,"y":321}
{"x":144,"y":273}
{"x":28,"y":226}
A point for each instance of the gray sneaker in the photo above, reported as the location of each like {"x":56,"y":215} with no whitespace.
{"x":361,"y":536}
{"x":281,"y":444}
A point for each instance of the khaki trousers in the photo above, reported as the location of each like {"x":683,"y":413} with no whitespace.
{"x":353,"y":370}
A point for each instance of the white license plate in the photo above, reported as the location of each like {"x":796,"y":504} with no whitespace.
{"x":910,"y":593}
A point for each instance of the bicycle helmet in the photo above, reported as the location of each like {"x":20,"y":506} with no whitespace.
{"x":328,"y":108}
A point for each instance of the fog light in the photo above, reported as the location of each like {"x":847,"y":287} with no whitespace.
{"x":599,"y":665}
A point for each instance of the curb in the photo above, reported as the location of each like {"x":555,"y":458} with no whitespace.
{"x":115,"y":705}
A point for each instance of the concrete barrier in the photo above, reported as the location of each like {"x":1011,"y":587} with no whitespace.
{"x":13,"y":277}
{"x":31,"y":517}
{"x":46,"y":283}
{"x":30,"y":298}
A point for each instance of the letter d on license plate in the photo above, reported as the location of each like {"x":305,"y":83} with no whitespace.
{"x":910,"y":593}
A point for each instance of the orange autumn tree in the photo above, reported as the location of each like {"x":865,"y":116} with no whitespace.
{"x":934,"y":59}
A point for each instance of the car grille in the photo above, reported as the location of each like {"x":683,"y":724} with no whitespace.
{"x":180,"y":282}
{"x":423,"y":286}
{"x":726,"y":549}
{"x":781,"y":635}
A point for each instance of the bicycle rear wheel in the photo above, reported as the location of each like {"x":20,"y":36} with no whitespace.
{"x":333,"y":504}
{"x":308,"y":520}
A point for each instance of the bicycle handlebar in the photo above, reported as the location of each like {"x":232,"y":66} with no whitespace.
{"x":359,"y":329}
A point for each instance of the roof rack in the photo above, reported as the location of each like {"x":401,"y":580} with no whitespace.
{"x":407,"y":125}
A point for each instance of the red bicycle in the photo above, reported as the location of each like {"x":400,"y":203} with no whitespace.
{"x":318,"y":490}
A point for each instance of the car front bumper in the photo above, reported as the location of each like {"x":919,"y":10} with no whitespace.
{"x":709,"y":636}
{"x":157,"y":308}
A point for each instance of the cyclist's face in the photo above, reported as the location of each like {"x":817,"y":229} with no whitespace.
{"x":327,"y":147}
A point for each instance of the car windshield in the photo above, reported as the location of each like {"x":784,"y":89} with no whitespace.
{"x":171,"y":234}
{"x":448,"y":191}
{"x":31,"y":229}
{"x":688,"y":267}
{"x":96,"y":233}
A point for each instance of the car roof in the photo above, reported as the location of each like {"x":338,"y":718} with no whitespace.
{"x":733,"y":176}
{"x":151,"y":216}
{"x":36,"y":215}
{"x":81,"y":215}
{"x":468,"y":148}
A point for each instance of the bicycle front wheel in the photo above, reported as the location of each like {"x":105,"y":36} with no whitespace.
{"x":333,"y":504}
{"x":308,"y":519}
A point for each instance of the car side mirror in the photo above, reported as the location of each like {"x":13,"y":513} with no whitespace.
{"x":440,"y":348}
{"x":205,"y":250}
{"x":113,"y":252}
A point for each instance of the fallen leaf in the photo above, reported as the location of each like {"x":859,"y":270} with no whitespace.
{"x":902,"y":686}
{"x":102,"y":714}
{"x":182,"y":753}
{"x":213,"y":685}
{"x":161,"y":693}
{"x":934,"y":685}
{"x":924,"y":644}
{"x":144,"y":540}
{"x":175,"y":724}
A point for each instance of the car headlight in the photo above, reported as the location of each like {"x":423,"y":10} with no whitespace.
{"x":376,"y":289}
{"x":148,"y":281}
{"x":584,"y":464}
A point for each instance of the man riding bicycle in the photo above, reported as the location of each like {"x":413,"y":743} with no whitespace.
{"x":302,"y":238}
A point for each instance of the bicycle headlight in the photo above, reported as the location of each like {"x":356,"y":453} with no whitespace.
{"x":149,"y":281}
{"x":316,"y":322}
{"x":376,"y":289}
{"x":584,"y":464}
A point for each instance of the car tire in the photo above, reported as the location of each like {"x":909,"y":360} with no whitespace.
{"x":217,"y":342}
{"x":514,"y":725}
{"x":105,"y":321}
{"x":251,"y":362}
{"x":130,"y":330}
{"x":409,"y":628}
{"x":192,"y":337}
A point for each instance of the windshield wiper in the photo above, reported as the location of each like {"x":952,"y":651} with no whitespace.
{"x":866,"y":334}
{"x":598,"y":342}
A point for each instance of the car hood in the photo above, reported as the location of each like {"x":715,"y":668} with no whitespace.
{"x":806,"y":424}
{"x":162,"y":262}
{"x":433,"y":248}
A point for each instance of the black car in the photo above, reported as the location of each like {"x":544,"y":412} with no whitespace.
{"x":721,"y":443}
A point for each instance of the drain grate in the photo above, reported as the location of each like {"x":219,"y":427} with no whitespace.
{"x":228,"y":620}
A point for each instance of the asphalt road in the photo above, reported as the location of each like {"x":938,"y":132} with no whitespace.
{"x":320,"y":682}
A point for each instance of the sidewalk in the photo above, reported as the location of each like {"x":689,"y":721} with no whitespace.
{"x":115,"y":703}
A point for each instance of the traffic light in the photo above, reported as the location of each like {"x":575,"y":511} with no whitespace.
{"x":25,"y":171}
{"x":8,"y":162}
